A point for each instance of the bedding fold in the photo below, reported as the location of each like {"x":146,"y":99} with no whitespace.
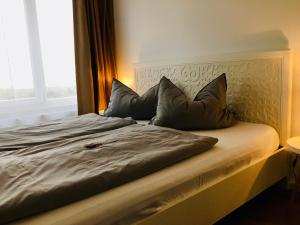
{"x":15,"y":139}
{"x":49,"y":175}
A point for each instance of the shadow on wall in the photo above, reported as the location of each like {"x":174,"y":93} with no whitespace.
{"x":267,"y":40}
{"x":263,"y":41}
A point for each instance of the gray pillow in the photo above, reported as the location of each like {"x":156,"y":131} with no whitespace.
{"x":124,"y":102}
{"x":207,"y":111}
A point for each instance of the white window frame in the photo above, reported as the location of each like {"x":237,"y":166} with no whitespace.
{"x":39,"y":104}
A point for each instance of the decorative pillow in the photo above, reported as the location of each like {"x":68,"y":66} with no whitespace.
{"x":124,"y":102}
{"x":207,"y":111}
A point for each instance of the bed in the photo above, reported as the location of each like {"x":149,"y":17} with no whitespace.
{"x":206,"y":187}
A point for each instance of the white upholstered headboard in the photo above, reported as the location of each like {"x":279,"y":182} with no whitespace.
{"x":259,"y":84}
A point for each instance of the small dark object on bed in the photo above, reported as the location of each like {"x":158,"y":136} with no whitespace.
{"x":93,"y":145}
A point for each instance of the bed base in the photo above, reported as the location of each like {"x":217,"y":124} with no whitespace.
{"x":213,"y":203}
{"x":204,"y":207}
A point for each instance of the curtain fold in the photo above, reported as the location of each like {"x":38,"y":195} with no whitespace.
{"x":94,"y":38}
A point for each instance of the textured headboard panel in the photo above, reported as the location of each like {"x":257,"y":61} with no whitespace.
{"x":259,"y":84}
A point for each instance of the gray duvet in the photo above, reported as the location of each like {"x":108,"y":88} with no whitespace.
{"x":68,"y":164}
{"x":59,"y":130}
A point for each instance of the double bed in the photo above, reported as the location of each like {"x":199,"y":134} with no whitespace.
{"x":247,"y":159}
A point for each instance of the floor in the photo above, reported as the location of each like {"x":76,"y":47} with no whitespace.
{"x":272,"y":207}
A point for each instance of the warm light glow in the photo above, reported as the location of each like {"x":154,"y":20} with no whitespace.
{"x":128,"y":81}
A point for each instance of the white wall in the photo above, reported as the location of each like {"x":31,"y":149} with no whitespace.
{"x":166,"y":29}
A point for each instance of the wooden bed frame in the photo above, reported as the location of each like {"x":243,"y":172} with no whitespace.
{"x":211,"y":204}
{"x":256,"y":71}
{"x":272,"y":106}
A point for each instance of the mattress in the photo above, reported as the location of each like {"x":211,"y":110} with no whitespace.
{"x":238,"y":147}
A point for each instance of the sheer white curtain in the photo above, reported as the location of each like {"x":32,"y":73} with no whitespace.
{"x":37,"y":65}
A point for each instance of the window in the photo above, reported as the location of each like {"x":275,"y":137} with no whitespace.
{"x":57,"y":51}
{"x":37,"y":65}
{"x":16,"y":80}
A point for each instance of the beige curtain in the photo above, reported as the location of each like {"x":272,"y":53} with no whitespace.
{"x":94,"y":53}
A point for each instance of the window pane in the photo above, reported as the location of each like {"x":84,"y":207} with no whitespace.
{"x":55,"y":19}
{"x":15,"y":67}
